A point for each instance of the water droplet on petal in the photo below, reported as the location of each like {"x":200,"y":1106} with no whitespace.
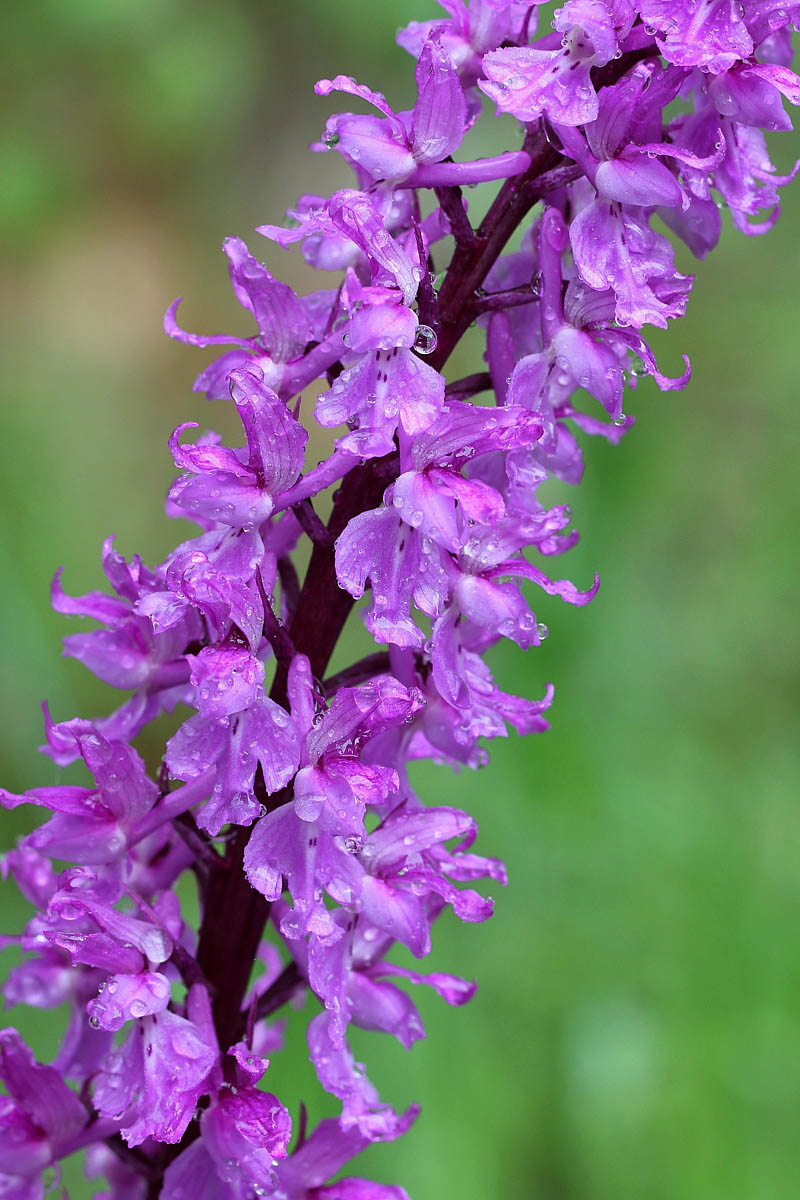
{"x":426,"y":340}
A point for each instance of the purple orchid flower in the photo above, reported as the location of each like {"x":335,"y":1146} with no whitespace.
{"x":41,"y":1118}
{"x":409,"y":149}
{"x":285,"y":325}
{"x":528,"y":82}
{"x":315,"y":865}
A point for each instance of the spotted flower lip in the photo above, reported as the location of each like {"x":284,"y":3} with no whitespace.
{"x":368,"y":478}
{"x":529,"y":82}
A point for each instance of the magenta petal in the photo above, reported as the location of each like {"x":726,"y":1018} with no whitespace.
{"x":77,"y":801}
{"x":128,"y":997}
{"x":227,"y":679}
{"x":640,"y":181}
{"x":452,"y":988}
{"x":76,"y":839}
{"x":357,"y":713}
{"x":195,"y":747}
{"x":155,"y":1079}
{"x":712,"y":35}
{"x":445,"y":647}
{"x":121,"y":777}
{"x":262,"y":859}
{"x":281,"y":844}
{"x":193,"y":1174}
{"x":98,"y":950}
{"x":465,"y":430}
{"x":406,"y":834}
{"x":396,"y":912}
{"x":154,"y":942}
{"x":379,"y":391}
{"x":39,"y":1090}
{"x":699,"y":226}
{"x":358,"y":218}
{"x":384,"y":1008}
{"x":500,"y":609}
{"x":563,"y":588}
{"x":527,"y":83}
{"x":269,"y":732}
{"x":223,"y":497}
{"x":346,"y":83}
{"x":276,"y":439}
{"x":96,"y":605}
{"x":340,"y":1075}
{"x":382,"y":327}
{"x":478,"y":501}
{"x":371,"y":144}
{"x":592,"y":365}
{"x":361,"y":1189}
{"x":215,"y":380}
{"x":281,"y":318}
{"x":439,"y":119}
{"x":429,"y":508}
{"x":260,"y":735}
{"x":325,"y":1153}
{"x":173,"y":330}
{"x":244,"y":1133}
{"x":300,"y":688}
{"x":616,"y":248}
{"x":378,"y":546}
{"x":467,"y":905}
{"x":206,"y":456}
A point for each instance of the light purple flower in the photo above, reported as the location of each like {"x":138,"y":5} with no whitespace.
{"x":153,"y":1082}
{"x":424,"y":493}
{"x":528,"y":82}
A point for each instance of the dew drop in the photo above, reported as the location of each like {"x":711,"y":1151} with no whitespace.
{"x":426,"y":340}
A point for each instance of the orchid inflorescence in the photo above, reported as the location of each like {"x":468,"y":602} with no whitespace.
{"x":313,"y":857}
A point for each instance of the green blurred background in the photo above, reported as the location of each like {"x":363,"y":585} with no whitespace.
{"x":635,"y":1033}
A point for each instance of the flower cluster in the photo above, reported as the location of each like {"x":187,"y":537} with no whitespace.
{"x":285,"y":790}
